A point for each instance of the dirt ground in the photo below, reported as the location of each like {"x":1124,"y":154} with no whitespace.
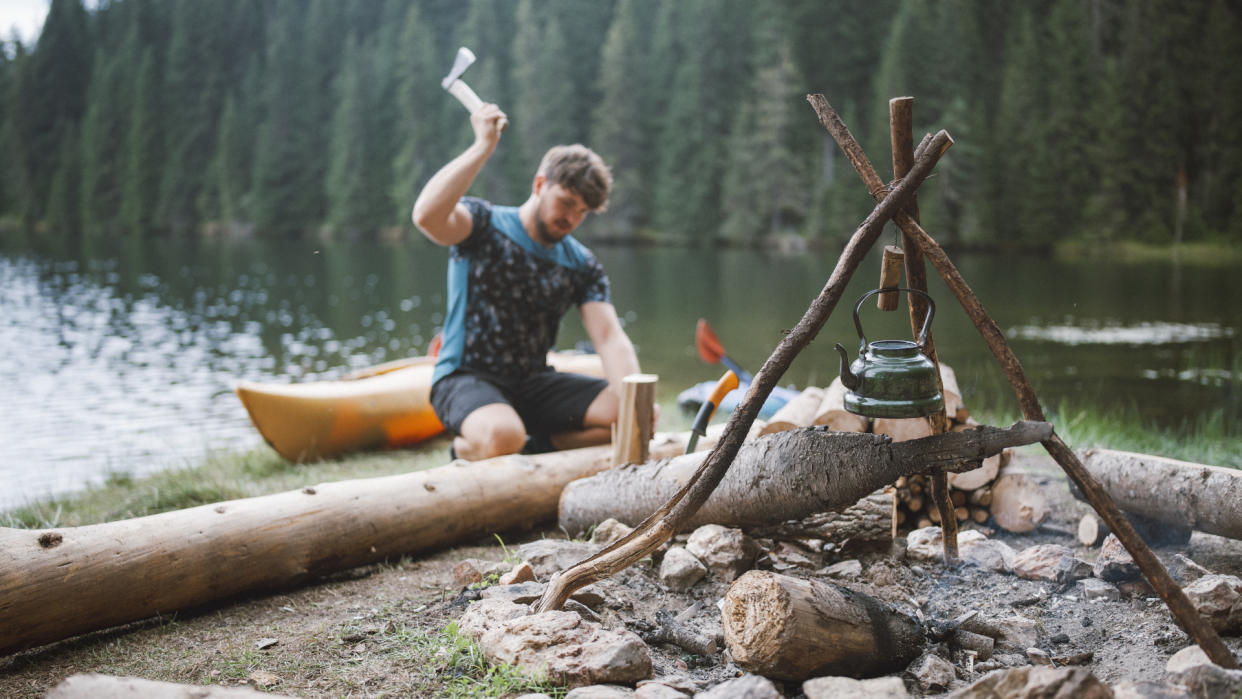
{"x":379,"y":630}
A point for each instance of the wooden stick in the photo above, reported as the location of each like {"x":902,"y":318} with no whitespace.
{"x":1176,"y":600}
{"x":663,"y":523}
{"x":633,"y":432}
{"x":901,"y":119}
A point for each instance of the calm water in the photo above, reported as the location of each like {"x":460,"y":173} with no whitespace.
{"x":121,"y":358}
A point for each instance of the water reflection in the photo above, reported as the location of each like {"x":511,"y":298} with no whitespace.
{"x":121,"y":356}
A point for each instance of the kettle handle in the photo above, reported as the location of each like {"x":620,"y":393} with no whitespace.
{"x":931,"y":313}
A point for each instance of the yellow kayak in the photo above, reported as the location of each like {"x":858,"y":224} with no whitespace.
{"x":385,"y":406}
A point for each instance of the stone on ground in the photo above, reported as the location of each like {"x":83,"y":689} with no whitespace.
{"x":726,"y":552}
{"x":837,"y":687}
{"x":680,"y":569}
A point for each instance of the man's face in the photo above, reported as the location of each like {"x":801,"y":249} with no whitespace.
{"x":560,"y":211}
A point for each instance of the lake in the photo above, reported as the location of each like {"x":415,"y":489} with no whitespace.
{"x":121,"y":356}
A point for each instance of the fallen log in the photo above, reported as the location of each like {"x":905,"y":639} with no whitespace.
{"x":792,"y":629}
{"x":1180,"y":493}
{"x":867,"y":524}
{"x":57,"y":583}
{"x":783,"y":476}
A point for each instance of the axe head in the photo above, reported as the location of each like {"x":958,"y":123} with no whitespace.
{"x":464,"y":58}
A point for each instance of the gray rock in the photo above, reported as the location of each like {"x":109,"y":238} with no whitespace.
{"x":726,"y":552}
{"x":1038,"y":656}
{"x":1185,"y":659}
{"x":487,"y":614}
{"x":744,"y":687}
{"x":1128,"y":689}
{"x":522,"y":572}
{"x":608,"y":531}
{"x":680,"y":569}
{"x":925,"y":544}
{"x":1041,"y":562}
{"x":92,"y":686}
{"x":1184,"y":570}
{"x":978,"y":550}
{"x":932,"y":672}
{"x":1209,"y":680}
{"x":518,"y":593}
{"x":1016,"y":633}
{"x":843,"y":570}
{"x":474,"y":570}
{"x":1218,"y":598}
{"x":600,"y":691}
{"x":659,"y":690}
{"x":840,"y":687}
{"x":1095,"y":589}
{"x":1114,"y":564}
{"x":567,"y":649}
{"x":548,"y":556}
{"x":1032,"y":682}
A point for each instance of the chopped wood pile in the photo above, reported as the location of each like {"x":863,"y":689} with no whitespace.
{"x":1020,"y":507}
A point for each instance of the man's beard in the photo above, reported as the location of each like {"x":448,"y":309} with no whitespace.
{"x":544,"y":235}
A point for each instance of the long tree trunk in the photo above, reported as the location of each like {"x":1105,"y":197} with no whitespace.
{"x":783,"y":476}
{"x":1174,"y":492}
{"x":57,"y":583}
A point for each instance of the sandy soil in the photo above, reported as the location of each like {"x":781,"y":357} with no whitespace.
{"x":374,"y":631}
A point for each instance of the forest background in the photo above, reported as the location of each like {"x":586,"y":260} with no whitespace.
{"x":1076,"y":120}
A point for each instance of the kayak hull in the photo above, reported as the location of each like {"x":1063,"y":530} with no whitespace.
{"x":385,"y":409}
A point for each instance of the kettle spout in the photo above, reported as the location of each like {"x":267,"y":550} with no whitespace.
{"x":849,"y":379}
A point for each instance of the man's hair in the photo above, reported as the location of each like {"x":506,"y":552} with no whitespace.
{"x":580,"y":169}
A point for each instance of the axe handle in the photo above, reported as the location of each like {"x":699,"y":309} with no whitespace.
{"x":469,"y":99}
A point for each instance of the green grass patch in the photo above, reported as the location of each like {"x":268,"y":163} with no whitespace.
{"x":1195,"y":253}
{"x":225,"y":476}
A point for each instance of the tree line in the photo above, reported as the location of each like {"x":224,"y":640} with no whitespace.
{"x":1091,"y":120}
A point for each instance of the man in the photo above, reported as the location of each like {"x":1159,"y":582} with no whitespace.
{"x":513,"y":272}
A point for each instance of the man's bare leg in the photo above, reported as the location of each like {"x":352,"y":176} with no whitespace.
{"x":597,"y":424}
{"x":490,"y":431}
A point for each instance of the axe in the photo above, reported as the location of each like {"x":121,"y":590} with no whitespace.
{"x":459,"y":89}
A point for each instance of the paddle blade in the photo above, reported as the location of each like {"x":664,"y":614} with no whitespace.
{"x":706,"y":342}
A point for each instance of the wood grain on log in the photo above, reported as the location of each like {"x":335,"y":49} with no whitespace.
{"x":632,"y":431}
{"x":792,"y":629}
{"x":1018,"y":503}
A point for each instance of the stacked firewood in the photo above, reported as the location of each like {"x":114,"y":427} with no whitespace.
{"x":971,"y":491}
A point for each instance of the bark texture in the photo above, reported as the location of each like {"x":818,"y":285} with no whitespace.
{"x":794,"y":629}
{"x":783,"y":476}
{"x":1181,"y":493}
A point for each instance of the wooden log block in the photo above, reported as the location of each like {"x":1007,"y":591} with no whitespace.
{"x":981,"y":497}
{"x":953,"y":407}
{"x":833,"y":415}
{"x":902,"y":429}
{"x":1181,"y":493}
{"x":632,"y":433}
{"x":1091,"y":531}
{"x":792,"y":629}
{"x":779,"y":477}
{"x":799,"y":412}
{"x":57,"y":583}
{"x":979,"y":477}
{"x":891,"y":266}
{"x":1018,"y":503}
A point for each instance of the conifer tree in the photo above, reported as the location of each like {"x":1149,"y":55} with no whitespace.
{"x":64,"y":197}
{"x":103,"y":138}
{"x":353,"y":202}
{"x":142,"y":151}
{"x":420,"y":114}
{"x":544,"y":95}
{"x":623,"y":119}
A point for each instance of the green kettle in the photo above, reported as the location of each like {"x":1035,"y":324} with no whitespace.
{"x":891,"y":378}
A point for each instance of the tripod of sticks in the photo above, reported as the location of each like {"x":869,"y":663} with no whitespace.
{"x":897,"y":203}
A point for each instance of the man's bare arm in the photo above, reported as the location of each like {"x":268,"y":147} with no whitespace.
{"x":616,"y":352}
{"x":438,"y":211}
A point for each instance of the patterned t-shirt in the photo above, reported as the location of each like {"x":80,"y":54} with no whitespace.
{"x":507,"y":294}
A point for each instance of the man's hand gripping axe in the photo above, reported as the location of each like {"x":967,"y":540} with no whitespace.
{"x":459,"y":89}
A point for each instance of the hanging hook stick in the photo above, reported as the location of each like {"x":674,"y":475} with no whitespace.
{"x":1153,"y":570}
{"x":901,"y":119}
{"x":663,"y":523}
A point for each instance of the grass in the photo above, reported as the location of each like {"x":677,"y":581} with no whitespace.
{"x":1196,"y":253}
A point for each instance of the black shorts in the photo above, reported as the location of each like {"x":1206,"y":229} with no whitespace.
{"x":549,"y":402}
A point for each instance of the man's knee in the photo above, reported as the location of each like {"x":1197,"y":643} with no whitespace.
{"x":602,"y":411}
{"x":492,"y":432}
